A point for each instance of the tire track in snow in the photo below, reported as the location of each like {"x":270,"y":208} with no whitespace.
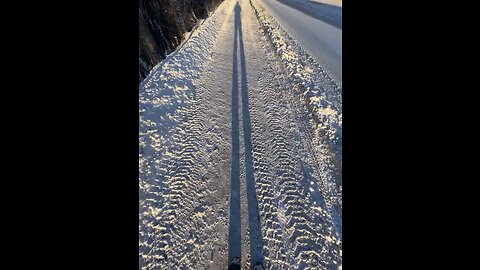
{"x":292,"y":217}
{"x":304,"y":228}
{"x":172,"y":157}
{"x":298,"y":175}
{"x":185,"y":161}
{"x":317,"y":150}
{"x":321,"y":94}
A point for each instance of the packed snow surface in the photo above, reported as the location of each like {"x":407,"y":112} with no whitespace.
{"x":240,"y":150}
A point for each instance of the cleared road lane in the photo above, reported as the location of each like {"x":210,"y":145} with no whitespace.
{"x":316,"y":27}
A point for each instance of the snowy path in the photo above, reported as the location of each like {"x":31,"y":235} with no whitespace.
{"x":231,"y":162}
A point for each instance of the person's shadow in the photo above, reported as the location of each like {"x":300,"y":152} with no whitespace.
{"x":234,"y":230}
{"x":256,"y":239}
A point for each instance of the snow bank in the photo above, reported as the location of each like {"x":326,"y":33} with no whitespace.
{"x":169,"y":88}
{"x":163,"y":100}
{"x":321,"y":93}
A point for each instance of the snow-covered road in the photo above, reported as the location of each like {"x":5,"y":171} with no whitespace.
{"x":316,"y":27}
{"x":240,"y":151}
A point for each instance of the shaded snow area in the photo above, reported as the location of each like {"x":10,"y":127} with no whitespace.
{"x":240,"y":151}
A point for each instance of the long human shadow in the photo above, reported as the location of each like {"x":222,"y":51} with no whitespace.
{"x":256,"y":239}
{"x":234,"y":236}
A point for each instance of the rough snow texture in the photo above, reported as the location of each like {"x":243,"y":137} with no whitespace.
{"x":322,"y":94}
{"x":226,"y":147}
{"x":167,"y":185}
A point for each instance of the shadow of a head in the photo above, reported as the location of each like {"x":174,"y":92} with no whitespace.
{"x":237,"y":8}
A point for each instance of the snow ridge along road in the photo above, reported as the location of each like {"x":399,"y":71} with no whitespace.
{"x":314,"y":26}
{"x":240,"y":135}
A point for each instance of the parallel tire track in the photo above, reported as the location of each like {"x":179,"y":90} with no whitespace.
{"x":295,"y":232}
{"x":184,"y":184}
